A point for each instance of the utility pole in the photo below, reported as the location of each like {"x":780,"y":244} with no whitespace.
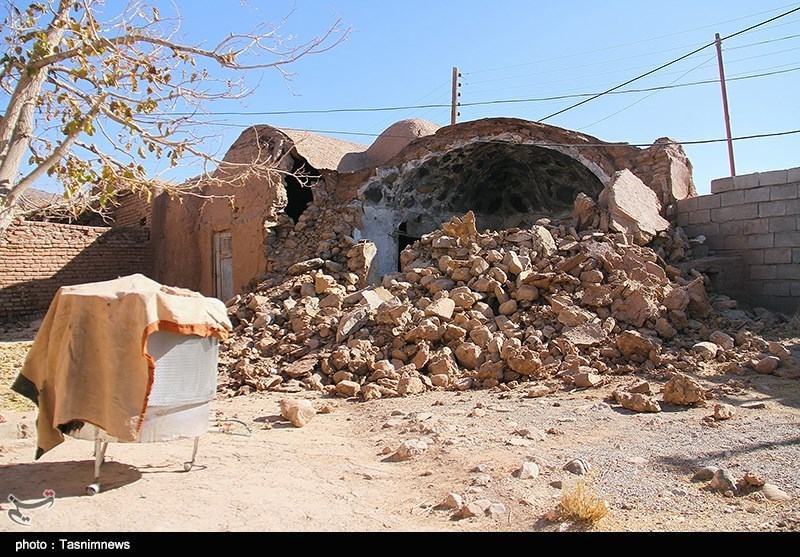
{"x":725,"y":103}
{"x":454,"y":113}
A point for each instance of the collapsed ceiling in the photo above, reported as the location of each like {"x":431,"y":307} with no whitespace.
{"x":504,"y":184}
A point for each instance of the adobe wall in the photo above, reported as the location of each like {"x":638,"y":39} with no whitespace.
{"x":133,"y":210}
{"x":232,"y":200}
{"x":37,"y":258}
{"x":756,"y":217}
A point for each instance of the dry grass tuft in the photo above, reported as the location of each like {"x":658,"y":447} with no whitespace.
{"x":12,"y":356}
{"x":580,"y":504}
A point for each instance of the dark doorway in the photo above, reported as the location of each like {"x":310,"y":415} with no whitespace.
{"x":298,"y":198}
{"x":404,"y":239}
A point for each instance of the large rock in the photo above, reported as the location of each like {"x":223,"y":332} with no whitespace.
{"x":352,"y":322}
{"x":637,"y":402}
{"x":305,"y":266}
{"x":588,"y":334}
{"x":635,"y":346}
{"x":683,"y":390}
{"x":443,"y":308}
{"x":348,"y":388}
{"x":699,"y":306}
{"x":410,"y":448}
{"x":635,"y":308}
{"x":298,"y":411}
{"x":633,"y":207}
{"x":524,"y":361}
{"x":543,"y":242}
{"x":462,"y":228}
{"x":584,"y":212}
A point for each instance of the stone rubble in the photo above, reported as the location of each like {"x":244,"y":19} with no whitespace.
{"x":541,"y":308}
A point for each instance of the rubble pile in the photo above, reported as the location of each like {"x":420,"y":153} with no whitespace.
{"x":560,"y":304}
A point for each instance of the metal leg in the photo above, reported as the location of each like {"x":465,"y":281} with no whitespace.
{"x":99,"y":456}
{"x":188,"y":465}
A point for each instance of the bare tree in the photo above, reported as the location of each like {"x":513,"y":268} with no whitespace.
{"x":93,"y":93}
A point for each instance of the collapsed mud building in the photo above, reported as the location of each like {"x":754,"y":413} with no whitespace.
{"x":486,"y":254}
{"x":508,"y":172}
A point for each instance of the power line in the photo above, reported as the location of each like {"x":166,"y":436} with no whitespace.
{"x":647,"y":96}
{"x":626,"y":44}
{"x":541,"y":144}
{"x":431,"y":107}
{"x":627,"y":91}
{"x":662,"y":66}
{"x":616,"y":70}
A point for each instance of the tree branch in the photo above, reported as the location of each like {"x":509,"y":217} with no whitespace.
{"x":58,"y":153}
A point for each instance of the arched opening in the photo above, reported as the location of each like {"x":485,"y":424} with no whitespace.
{"x":505,"y":184}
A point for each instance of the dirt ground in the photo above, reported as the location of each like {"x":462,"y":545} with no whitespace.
{"x":256,"y":472}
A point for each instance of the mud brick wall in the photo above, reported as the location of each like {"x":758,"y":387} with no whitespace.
{"x":133,"y":211}
{"x":757,"y":217}
{"x":37,"y":258}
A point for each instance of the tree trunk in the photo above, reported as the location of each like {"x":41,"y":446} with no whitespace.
{"x":16,"y":129}
{"x":7,"y":215}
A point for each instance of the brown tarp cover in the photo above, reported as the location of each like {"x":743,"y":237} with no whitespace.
{"x":88,"y":362}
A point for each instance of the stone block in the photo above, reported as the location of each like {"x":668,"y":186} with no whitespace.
{"x":750,"y":226}
{"x":796,"y":255}
{"x":787,"y":239}
{"x":754,"y":257}
{"x":773,"y":177}
{"x":683,"y":219}
{"x":756,"y":195}
{"x":772,"y":209}
{"x":778,"y":255}
{"x":715,"y":242}
{"x":763,"y":272}
{"x":746,"y":181}
{"x":777,"y":288}
{"x":735,"y":242}
{"x":723,"y":214}
{"x":687,"y":205}
{"x":795,"y":288}
{"x":782,"y":224}
{"x":793,"y":175}
{"x":760,"y":241}
{"x":735,"y":197}
{"x":791,"y":271}
{"x":708,"y":201}
{"x":785,"y":191}
{"x":721,"y":184}
{"x":708,"y":229}
{"x":700,"y":216}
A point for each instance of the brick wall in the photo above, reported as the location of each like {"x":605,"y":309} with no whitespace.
{"x":36,"y":258}
{"x":757,"y":217}
{"x":133,"y":210}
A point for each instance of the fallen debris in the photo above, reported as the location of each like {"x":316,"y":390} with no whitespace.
{"x":516,"y":307}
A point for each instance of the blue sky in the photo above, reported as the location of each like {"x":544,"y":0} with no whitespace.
{"x":402,"y":54}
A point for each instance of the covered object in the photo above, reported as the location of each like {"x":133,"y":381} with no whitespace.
{"x":91,"y":364}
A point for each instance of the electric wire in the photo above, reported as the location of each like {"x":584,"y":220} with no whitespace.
{"x":538,"y":144}
{"x":630,"y":43}
{"x":676,"y":60}
{"x":655,"y":92}
{"x":616,"y":70}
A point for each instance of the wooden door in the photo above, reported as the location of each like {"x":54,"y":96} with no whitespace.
{"x":223,"y":266}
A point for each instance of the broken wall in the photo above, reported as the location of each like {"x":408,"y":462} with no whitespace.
{"x":509,"y":172}
{"x":755,"y":217}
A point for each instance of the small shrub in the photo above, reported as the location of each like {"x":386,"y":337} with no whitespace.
{"x":580,"y":504}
